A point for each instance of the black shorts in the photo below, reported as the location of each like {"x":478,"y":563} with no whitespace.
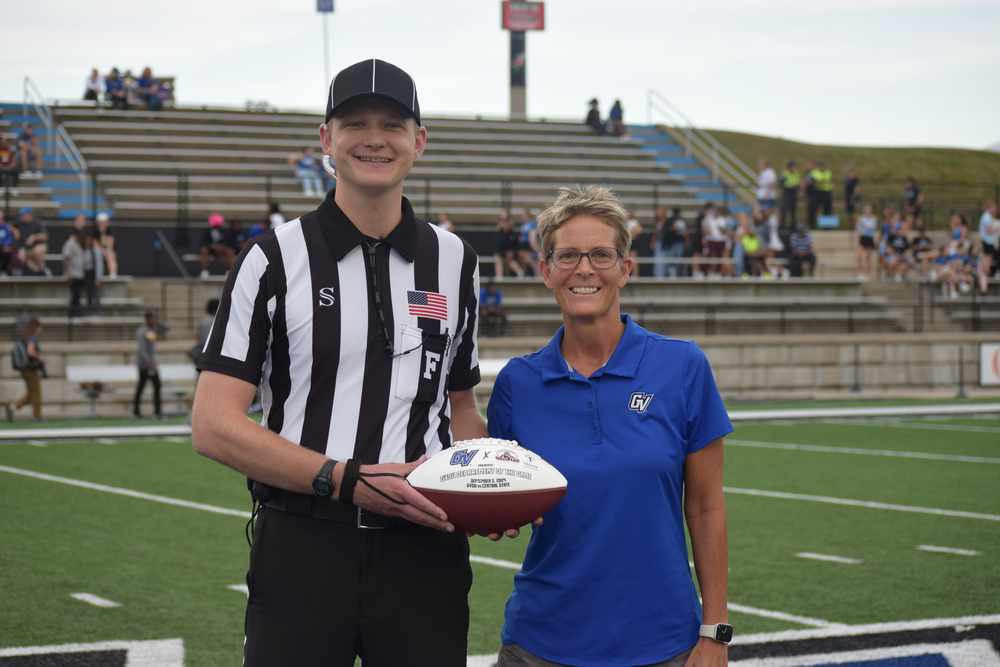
{"x":866,"y":242}
{"x":322,"y":592}
{"x":505,"y":245}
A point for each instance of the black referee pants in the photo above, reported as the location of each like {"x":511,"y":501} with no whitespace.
{"x":323,"y":592}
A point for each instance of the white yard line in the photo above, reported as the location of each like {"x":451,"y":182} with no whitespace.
{"x":496,"y":562}
{"x":914,"y":425}
{"x":831,"y":449}
{"x":782,"y":616}
{"x":871,"y":629}
{"x":156,"y":653}
{"x":240,"y":588}
{"x":868,"y":504}
{"x":843,"y":560}
{"x":95,"y":600}
{"x":947,"y":550}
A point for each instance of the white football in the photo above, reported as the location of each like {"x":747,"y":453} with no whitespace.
{"x":487,"y":485}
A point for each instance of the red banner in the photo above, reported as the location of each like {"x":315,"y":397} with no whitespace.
{"x":520,"y":16}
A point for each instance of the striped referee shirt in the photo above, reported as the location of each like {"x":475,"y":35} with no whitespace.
{"x":307,"y":314}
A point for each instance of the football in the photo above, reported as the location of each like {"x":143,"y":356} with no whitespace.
{"x":488,"y":485}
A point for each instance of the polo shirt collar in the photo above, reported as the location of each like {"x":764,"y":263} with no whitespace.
{"x":342,"y":236}
{"x":624,"y":361}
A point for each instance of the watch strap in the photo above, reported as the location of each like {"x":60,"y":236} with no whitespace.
{"x":324,"y":480}
{"x":720,"y":632}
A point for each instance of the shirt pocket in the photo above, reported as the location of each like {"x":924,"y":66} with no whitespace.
{"x":420,"y":365}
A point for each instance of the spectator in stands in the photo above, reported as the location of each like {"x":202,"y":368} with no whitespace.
{"x":752,"y":250}
{"x":114,"y":90}
{"x":616,"y":120}
{"x":822,"y":179}
{"x":218,"y":243}
{"x":989,"y":240}
{"x":527,"y":242}
{"x":306,"y":169}
{"x":83,"y":267}
{"x":444,"y":222}
{"x":147,"y":87}
{"x":695,"y":248}
{"x":29,"y":151}
{"x":676,"y":239}
{"x":93,"y":87}
{"x":146,"y":337}
{"x":714,"y":240}
{"x":256,"y":229}
{"x":812,"y":194}
{"x":954,"y":262}
{"x":106,"y":244}
{"x":8,"y":247}
{"x":204,"y":329}
{"x":26,"y":358}
{"x":594,"y":118}
{"x":791,"y":181}
{"x":774,"y":246}
{"x":634,"y":229}
{"x":8,"y":165}
{"x":492,"y":316}
{"x":921,"y":249}
{"x":913,"y":197}
{"x":35,"y":242}
{"x":852,"y":192}
{"x":802,"y":261}
{"x":767,"y":182}
{"x":658,"y":241}
{"x":898,"y":261}
{"x":275,"y":218}
{"x":507,"y":243}
{"x":864,"y":232}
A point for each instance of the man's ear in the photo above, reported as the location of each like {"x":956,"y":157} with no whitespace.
{"x":421,"y":140}
{"x":326,"y":137}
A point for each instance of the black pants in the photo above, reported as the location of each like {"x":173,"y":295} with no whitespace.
{"x":323,"y":592}
{"x":789,"y":202}
{"x":79,"y":286}
{"x":154,"y":377}
{"x":799,"y":265}
{"x":825,"y":200}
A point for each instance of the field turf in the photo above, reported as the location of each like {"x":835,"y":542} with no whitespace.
{"x":860,"y":495}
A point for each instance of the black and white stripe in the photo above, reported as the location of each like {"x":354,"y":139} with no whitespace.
{"x":326,"y":381}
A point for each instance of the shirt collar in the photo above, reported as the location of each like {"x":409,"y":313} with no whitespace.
{"x":342,"y":236}
{"x":624,"y":361}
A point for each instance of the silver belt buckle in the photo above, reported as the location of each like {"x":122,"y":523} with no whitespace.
{"x":362,"y":525}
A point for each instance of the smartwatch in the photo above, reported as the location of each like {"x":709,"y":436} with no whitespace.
{"x":720,"y":632}
{"x":323,"y":482}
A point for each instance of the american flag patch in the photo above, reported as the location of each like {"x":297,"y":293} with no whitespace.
{"x":427,"y":304}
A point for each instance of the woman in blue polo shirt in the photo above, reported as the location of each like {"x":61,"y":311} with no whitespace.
{"x":635,"y":423}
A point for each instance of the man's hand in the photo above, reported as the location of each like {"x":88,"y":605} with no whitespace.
{"x":708,"y":653}
{"x":415,"y":507}
{"x":512,"y":533}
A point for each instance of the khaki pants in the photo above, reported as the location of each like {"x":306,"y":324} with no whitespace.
{"x":512,"y":655}
{"x":33,"y":393}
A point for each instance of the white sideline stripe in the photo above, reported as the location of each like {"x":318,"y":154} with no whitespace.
{"x":961,"y":428}
{"x":240,"y":588}
{"x":38,"y":443}
{"x":947,"y":550}
{"x":92,"y":432}
{"x":782,"y":616}
{"x":869,"y":504}
{"x":124,"y":492}
{"x":856,"y":630}
{"x":153,"y":653}
{"x":496,"y":562}
{"x":831,"y":449}
{"x":826,"y":557}
{"x":95,"y":600}
{"x":896,"y":411}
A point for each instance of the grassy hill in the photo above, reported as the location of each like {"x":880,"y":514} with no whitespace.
{"x":952,"y":178}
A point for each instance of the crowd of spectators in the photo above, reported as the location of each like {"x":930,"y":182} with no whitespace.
{"x":614,"y":125}
{"x":222,"y":240}
{"x":126,"y":90}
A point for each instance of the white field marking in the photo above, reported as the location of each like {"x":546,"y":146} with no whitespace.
{"x":91,"y":432}
{"x":95,"y":600}
{"x":496,"y":562}
{"x":125,"y":492}
{"x":177,"y":439}
{"x":857,"y":630}
{"x":977,"y":652}
{"x":854,"y":413}
{"x":947,"y":550}
{"x":156,"y":653}
{"x":869,"y":504}
{"x":914,"y":425}
{"x":106,"y":441}
{"x":481,"y":660}
{"x":831,"y":559}
{"x":829,"y":449}
{"x":782,"y":616}
{"x":38,"y":443}
{"x":240,"y":588}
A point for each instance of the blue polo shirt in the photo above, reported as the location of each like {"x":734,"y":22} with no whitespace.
{"x":605,"y":580}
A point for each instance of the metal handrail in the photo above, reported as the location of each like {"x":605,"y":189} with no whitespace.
{"x":67,"y":148}
{"x":33,"y":98}
{"x":172,"y":254}
{"x":720,"y":157}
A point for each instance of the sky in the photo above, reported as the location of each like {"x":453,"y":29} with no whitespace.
{"x":857,"y":72}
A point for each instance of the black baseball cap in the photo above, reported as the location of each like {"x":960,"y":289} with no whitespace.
{"x":373,"y":77}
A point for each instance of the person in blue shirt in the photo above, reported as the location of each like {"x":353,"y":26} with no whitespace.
{"x":636,"y":424}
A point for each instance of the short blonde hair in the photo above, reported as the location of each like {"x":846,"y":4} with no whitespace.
{"x":592,"y":200}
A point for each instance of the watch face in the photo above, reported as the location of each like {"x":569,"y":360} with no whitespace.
{"x":322,"y":487}
{"x":724,"y":633}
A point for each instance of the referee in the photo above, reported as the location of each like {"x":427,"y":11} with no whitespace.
{"x":358,"y":323}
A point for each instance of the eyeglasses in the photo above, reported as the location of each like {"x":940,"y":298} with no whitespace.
{"x":569,"y":258}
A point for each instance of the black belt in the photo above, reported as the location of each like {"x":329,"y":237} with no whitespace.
{"x":326,"y":509}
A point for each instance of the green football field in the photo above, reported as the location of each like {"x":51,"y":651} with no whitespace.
{"x":838,"y":522}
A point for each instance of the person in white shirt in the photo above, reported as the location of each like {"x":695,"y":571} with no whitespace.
{"x":767,"y":182}
{"x":93,"y":87}
{"x":989,"y":237}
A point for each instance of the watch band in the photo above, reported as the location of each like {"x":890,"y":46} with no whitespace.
{"x":720,"y":632}
{"x":323,"y":482}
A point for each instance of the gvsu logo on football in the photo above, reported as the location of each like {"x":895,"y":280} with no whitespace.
{"x":463,"y":457}
{"x":639,"y":401}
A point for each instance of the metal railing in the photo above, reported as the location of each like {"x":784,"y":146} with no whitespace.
{"x":723,"y":164}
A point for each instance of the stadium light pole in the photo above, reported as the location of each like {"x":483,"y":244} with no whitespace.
{"x":325,"y":7}
{"x":517,"y":17}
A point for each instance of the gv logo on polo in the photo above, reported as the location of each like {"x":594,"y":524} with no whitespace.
{"x":431,"y":360}
{"x":639,"y":401}
{"x":326,"y":297}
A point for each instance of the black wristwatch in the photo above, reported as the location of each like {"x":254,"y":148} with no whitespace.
{"x":720,"y":632}
{"x":323,"y":481}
